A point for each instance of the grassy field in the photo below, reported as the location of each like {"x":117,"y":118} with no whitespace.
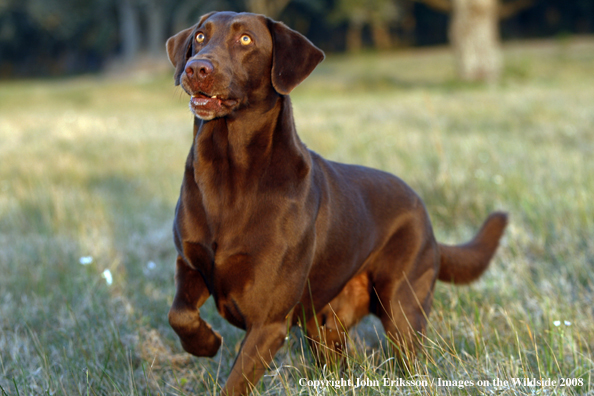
{"x":91,"y":168}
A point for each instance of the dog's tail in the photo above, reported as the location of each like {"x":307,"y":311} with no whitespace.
{"x":465,"y":263}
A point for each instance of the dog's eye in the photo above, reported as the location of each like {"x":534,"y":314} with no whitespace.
{"x":245,"y":39}
{"x":200,"y":37}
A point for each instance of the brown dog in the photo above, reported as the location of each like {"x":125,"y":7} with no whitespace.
{"x":275,"y":233}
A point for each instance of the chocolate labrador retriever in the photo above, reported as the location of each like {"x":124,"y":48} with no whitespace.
{"x":274,"y":232}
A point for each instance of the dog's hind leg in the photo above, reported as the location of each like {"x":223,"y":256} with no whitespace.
{"x":403,"y":301}
{"x":197,"y":337}
{"x":327,"y":337}
{"x":404,"y":317}
{"x":328,"y":331}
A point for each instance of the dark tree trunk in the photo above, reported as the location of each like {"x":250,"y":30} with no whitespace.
{"x":270,"y":8}
{"x":129,"y":29}
{"x":181,"y":16}
{"x":354,"y":42}
{"x":381,"y":35}
{"x":156,"y":28}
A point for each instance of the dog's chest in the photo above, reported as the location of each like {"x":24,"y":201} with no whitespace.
{"x":234,"y":276}
{"x":226,"y":204}
{"x":233,"y":199}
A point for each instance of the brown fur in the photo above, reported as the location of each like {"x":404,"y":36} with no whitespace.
{"x":273,"y":231}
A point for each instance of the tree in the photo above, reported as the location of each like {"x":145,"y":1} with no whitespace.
{"x":474,"y":34}
{"x":43,"y":37}
{"x":378,"y":14}
{"x":129,"y":28}
{"x":270,"y":8}
{"x":188,"y":12}
{"x":156,"y":18}
{"x":142,"y":27}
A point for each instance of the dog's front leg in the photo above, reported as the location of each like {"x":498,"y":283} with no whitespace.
{"x":197,"y":337}
{"x":259,"y":346}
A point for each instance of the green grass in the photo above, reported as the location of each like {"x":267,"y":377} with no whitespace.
{"x":92,"y":167}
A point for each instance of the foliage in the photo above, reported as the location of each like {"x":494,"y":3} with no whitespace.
{"x":365,"y":11}
{"x":53,"y":37}
{"x":48,"y":36}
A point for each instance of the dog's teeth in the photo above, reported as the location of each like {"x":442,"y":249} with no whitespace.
{"x":214,"y":97}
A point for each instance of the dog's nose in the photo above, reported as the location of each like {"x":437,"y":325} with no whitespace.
{"x":199,"y":67}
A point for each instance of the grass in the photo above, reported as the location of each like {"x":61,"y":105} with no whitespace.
{"x":91,"y":166}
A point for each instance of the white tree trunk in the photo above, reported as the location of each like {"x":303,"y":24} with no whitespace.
{"x":474,"y":35}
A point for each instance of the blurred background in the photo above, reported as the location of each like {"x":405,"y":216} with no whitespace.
{"x":57,"y":37}
{"x":479,"y":105}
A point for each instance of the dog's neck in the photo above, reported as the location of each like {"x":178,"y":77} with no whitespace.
{"x":249,"y":132}
{"x":255,"y":141}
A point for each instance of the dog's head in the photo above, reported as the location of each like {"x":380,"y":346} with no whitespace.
{"x":228,"y":61}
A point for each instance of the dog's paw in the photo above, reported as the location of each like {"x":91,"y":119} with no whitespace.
{"x":204,"y":343}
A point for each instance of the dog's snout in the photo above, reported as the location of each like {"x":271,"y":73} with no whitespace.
{"x":200,"y":68}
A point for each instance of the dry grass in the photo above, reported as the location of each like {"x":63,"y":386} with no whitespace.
{"x":92,"y":167}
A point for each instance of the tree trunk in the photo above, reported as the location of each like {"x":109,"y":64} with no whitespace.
{"x":381,"y":35}
{"x":156,"y":28}
{"x":129,"y":29}
{"x":354,"y":42}
{"x":408,"y":24}
{"x":181,"y":16}
{"x":474,"y":35}
{"x":270,"y":8}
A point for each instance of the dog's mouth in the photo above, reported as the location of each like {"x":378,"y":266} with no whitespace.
{"x":203,"y":104}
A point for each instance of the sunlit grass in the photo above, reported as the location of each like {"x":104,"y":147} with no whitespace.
{"x":91,"y":168}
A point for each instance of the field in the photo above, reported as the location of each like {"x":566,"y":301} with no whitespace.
{"x":90,"y":173}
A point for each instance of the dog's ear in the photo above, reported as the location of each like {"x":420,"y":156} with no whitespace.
{"x":179,"y":48}
{"x":293,"y":57}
